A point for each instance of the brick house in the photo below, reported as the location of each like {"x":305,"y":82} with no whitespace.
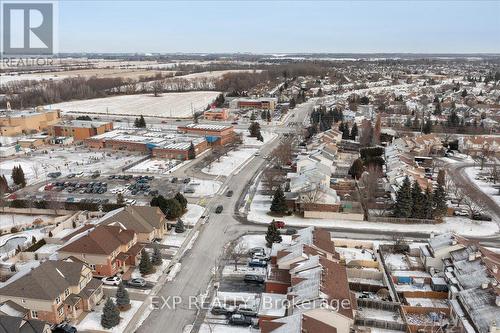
{"x":107,"y":249}
{"x":55,"y":291}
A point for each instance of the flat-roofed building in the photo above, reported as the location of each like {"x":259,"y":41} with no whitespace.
{"x":16,"y":122}
{"x":80,"y":129}
{"x":214,"y":134}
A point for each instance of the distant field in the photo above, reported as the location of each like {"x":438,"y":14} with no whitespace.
{"x":175,"y":105}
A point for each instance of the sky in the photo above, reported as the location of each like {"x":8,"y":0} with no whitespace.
{"x":279,"y":26}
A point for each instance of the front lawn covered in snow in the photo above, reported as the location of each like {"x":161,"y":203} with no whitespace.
{"x":230,"y":163}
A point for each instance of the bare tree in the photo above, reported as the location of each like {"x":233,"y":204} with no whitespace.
{"x":367,"y":188}
{"x":237,"y":252}
{"x":474,"y":203}
{"x":157,"y":87}
{"x":313,"y":196}
{"x":484,"y":154}
{"x":271,"y":178}
{"x":283,"y":153}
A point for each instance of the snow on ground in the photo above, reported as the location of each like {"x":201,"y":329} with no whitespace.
{"x":350,"y":253}
{"x":37,"y":164}
{"x":248,"y":242}
{"x":9,"y":242}
{"x":175,"y":105}
{"x":174,"y":240}
{"x":203,"y":187}
{"x":483,"y":185}
{"x":173,"y":272}
{"x":193,"y":214}
{"x":92,"y":321}
{"x":221,"y":328}
{"x":230,"y":163}
{"x":152,"y":277}
{"x":369,"y":313}
{"x":260,"y":205}
{"x":241,"y":270}
{"x":154,"y":165}
{"x":253,"y":142}
{"x":396,"y":261}
{"x":19,"y":220}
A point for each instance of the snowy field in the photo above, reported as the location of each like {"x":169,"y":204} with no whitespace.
{"x":260,"y":205}
{"x":175,"y":105}
{"x":230,"y":163}
{"x":36,"y":165}
{"x":155,"y":165}
{"x":248,"y":242}
{"x":203,"y":188}
{"x":193,"y":214}
{"x":92,"y":321}
{"x":483,"y":185}
{"x":253,"y":142}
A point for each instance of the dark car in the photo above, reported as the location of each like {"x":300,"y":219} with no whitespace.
{"x":481,"y":217}
{"x":253,"y":279}
{"x":219,"y":209}
{"x":64,"y":328}
{"x":174,"y":180}
{"x":240,"y":320}
{"x":257,"y":263}
{"x":222,"y":310}
{"x":290,"y":231}
{"x":229,"y":193}
{"x":137,"y":282}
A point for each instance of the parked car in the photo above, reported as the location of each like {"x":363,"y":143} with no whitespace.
{"x":253,"y":279}
{"x":481,"y":217}
{"x":246,"y":311}
{"x":240,"y":320}
{"x":137,"y":282}
{"x":54,"y":174}
{"x":461,"y":213}
{"x":229,"y":193}
{"x":290,"y":231}
{"x":219,"y":209}
{"x":186,"y":180}
{"x":257,"y":263}
{"x":174,"y":180}
{"x":255,"y":250}
{"x":64,"y":328}
{"x":261,"y":256}
{"x":279,"y":224}
{"x":222,"y":310}
{"x":112,"y":280}
{"x":71,"y":175}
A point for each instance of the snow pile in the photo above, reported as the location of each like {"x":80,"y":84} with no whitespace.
{"x":193,"y":214}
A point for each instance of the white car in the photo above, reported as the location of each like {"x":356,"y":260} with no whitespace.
{"x":260,"y":256}
{"x":112,"y":280}
{"x":461,"y":213}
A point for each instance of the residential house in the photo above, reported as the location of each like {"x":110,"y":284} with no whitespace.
{"x":107,"y":249}
{"x":55,"y":291}
{"x":148,"y":223}
{"x":11,"y":324}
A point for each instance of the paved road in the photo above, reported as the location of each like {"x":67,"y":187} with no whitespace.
{"x":457,"y":172}
{"x":197,"y":264}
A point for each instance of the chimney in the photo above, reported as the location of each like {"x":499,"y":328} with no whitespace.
{"x":484,"y":285}
{"x":472,"y":257}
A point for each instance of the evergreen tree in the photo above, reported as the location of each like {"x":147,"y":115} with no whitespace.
{"x":464,"y":93}
{"x":122,"y":298}
{"x":418,"y":207}
{"x":18,"y":176}
{"x":439,"y":201}
{"x":357,"y":168}
{"x":427,"y":127}
{"x":279,"y":202}
{"x":110,"y":315}
{"x":292,"y":103}
{"x":156,"y":259}
{"x":272,"y":235}
{"x":253,"y":116}
{"x":345,"y":130}
{"x":179,"y":226}
{"x":181,"y":199}
{"x":254,"y":129}
{"x":428,"y":203}
{"x":268,"y":116}
{"x":142,"y":122}
{"x":173,"y":209}
{"x":145,"y":266}
{"x":120,"y":199}
{"x":136,"y":122}
{"x":354,"y":132}
{"x":191,"y":152}
{"x":403,"y":205}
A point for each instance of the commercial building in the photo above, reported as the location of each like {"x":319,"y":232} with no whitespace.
{"x":257,"y":103}
{"x":16,"y":122}
{"x":80,"y":129}
{"x":216,"y":114}
{"x":214,"y":134}
{"x":158,"y":143}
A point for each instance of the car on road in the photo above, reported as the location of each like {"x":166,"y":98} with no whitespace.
{"x":257,"y":154}
{"x":222,"y":310}
{"x":137,"y":282}
{"x":219,"y":209}
{"x":229,"y":193}
{"x":481,"y":217}
{"x":253,"y":279}
{"x":257,"y":263}
{"x":112,"y":280}
{"x":239,"y":320}
{"x":64,"y":328}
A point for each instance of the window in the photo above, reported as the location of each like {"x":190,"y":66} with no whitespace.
{"x":34,"y":314}
{"x":66,"y":292}
{"x":92,"y":267}
{"x":60,"y":311}
{"x":58,"y":300}
{"x":23,"y":301}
